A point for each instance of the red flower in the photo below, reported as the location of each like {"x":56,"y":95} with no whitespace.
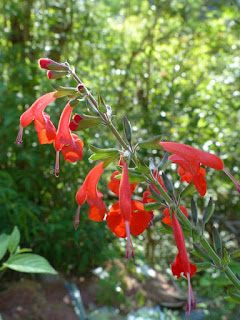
{"x":181,"y":263}
{"x":43,"y":125}
{"x":167,"y":217}
{"x":88,"y":191}
{"x":69,"y":143}
{"x":189,"y":160}
{"x":139,"y":219}
{"x":126,"y":217}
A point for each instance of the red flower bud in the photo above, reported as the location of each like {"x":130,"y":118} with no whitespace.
{"x":44,"y":62}
{"x":49,"y":75}
{"x":49,"y":64}
{"x":77,"y":118}
{"x":80,"y":87}
{"x":73,"y":126}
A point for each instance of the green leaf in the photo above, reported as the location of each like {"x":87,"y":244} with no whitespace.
{"x":209,"y":211}
{"x":231,"y":299}
{"x":108,"y":160}
{"x":203,"y":266}
{"x":200,"y":254}
{"x":234,"y":296}
{"x":188,"y":190}
{"x":127,"y":129}
{"x":152,"y":143}
{"x":167,"y":183}
{"x":64,"y":91}
{"x":14,"y":240}
{"x":194,"y":211}
{"x":4,"y":238}
{"x":235,"y":254}
{"x":88,"y":122}
{"x":196,"y":234}
{"x":217,"y":242}
{"x":24,"y":250}
{"x":225,"y":259}
{"x":30,"y":263}
{"x":163,"y":161}
{"x":155,"y":195}
{"x":151,"y":206}
{"x":133,"y":177}
{"x":103,"y":154}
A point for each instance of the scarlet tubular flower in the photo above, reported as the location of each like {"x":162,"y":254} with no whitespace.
{"x":43,"y":125}
{"x":89,"y":192}
{"x":189,"y":160}
{"x":181,"y":263}
{"x":126,"y":217}
{"x":69,"y":143}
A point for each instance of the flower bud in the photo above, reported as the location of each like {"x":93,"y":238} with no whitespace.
{"x":73,"y":126}
{"x":77,"y":118}
{"x":80,"y":87}
{"x":51,"y":74}
{"x":49,"y":64}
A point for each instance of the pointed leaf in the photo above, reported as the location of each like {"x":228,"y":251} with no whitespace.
{"x":217,"y":242}
{"x":201,"y":254}
{"x":167,"y":183}
{"x":30,"y":263}
{"x":194,"y":211}
{"x":235,"y":297}
{"x":235,"y":254}
{"x":163,"y":161}
{"x":14,"y":240}
{"x":100,"y":154}
{"x":203,"y":266}
{"x":108,"y":160}
{"x":4,"y":238}
{"x":152,"y":143}
{"x":225,"y":259}
{"x":188,"y":190}
{"x":209,"y":211}
{"x":127,"y":129}
{"x":155,"y":195}
{"x":152,"y":206}
{"x":133,"y":177}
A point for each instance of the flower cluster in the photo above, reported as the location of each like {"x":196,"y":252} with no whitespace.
{"x":125,"y":217}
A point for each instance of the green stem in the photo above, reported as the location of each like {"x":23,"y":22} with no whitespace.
{"x":231,"y":276}
{"x":210,"y":251}
{"x":117,"y":135}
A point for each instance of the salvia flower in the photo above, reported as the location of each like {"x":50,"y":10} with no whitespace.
{"x":189,"y":159}
{"x":181,"y":264}
{"x":43,"y":125}
{"x":126,"y":217}
{"x":88,"y":191}
{"x":68,"y":143}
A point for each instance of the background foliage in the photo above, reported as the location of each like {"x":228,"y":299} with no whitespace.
{"x":171,"y":66}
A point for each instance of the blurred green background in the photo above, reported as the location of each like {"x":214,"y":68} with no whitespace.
{"x":171,"y":66}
